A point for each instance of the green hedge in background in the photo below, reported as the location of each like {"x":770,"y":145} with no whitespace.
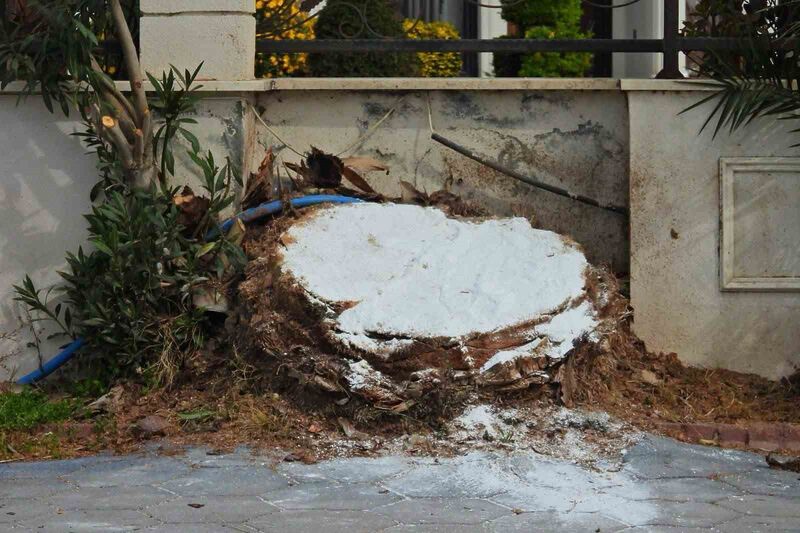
{"x":544,"y":19}
{"x":529,"y":13}
{"x":342,"y":19}
{"x":554,"y":64}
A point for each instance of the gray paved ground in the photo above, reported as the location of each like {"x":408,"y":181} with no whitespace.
{"x":662,"y":486}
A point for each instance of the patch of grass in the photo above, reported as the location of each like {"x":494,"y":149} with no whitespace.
{"x":88,"y":388}
{"x":265,"y":419}
{"x":23,"y":445}
{"x":28,"y":409}
{"x":196,"y":415}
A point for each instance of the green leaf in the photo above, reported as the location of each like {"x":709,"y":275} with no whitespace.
{"x":191,"y":138}
{"x":102,"y":247}
{"x":206,"y":248}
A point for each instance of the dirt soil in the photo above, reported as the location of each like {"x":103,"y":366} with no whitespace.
{"x":642,"y":387}
{"x":229,"y":401}
{"x":231,"y":394}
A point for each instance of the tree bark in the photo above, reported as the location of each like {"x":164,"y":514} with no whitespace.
{"x":142,"y":170}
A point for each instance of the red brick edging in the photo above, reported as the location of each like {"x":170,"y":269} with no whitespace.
{"x":767,"y":436}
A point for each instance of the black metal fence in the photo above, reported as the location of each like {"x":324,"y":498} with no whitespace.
{"x":670,"y":46}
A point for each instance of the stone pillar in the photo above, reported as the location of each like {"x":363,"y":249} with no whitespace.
{"x":219,"y":33}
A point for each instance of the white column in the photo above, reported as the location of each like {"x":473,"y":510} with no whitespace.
{"x":492,"y":25}
{"x":644,"y":20}
{"x":219,"y":33}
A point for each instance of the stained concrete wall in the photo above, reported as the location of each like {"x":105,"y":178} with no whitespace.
{"x":575,"y":139}
{"x":588,"y":136}
{"x":44,"y":189}
{"x":675,"y":242}
{"x":45,"y":179}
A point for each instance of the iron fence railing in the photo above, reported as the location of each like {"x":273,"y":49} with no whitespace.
{"x":670,"y":46}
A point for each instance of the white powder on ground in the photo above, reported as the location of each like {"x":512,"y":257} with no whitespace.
{"x":561,"y":333}
{"x":583,"y":437}
{"x":507,"y":356}
{"x":362,"y":375}
{"x":415,"y":273}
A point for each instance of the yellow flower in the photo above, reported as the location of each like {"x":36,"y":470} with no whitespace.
{"x":435,"y":64}
{"x":282,"y":64}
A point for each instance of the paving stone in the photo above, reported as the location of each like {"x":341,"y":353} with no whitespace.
{"x":302,"y":473}
{"x":233,"y":481}
{"x":546,"y":485}
{"x":208,"y":458}
{"x":130,"y":472}
{"x":665,"y":486}
{"x":30,"y":487}
{"x":658,"y":457}
{"x":122,"y":498}
{"x":542,"y":471}
{"x":197,"y":528}
{"x":457,"y":478}
{"x":322,"y":522}
{"x":754,"y":504}
{"x":767,"y":482}
{"x":331,"y":497}
{"x":215,"y":509}
{"x":49,"y":469}
{"x":759,"y":524}
{"x":443,"y":511}
{"x":688,"y":489}
{"x":536,"y":499}
{"x":355,"y":470}
{"x":674,"y":529}
{"x":80,"y":521}
{"x":689,"y":514}
{"x":18,"y":509}
{"x":550,"y":521}
{"x":439,"y":528}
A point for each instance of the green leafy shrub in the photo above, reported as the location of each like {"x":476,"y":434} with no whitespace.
{"x":506,"y":64}
{"x":138,"y":297}
{"x":529,"y":13}
{"x":554,"y":64}
{"x":133,"y":297}
{"x":28,"y":409}
{"x":545,"y":19}
{"x":435,"y":64}
{"x":342,"y":19}
{"x":743,"y":19}
{"x":757,"y":79}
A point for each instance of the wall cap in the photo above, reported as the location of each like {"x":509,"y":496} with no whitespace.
{"x":632,"y":85}
{"x":173,"y":7}
{"x":431,"y":84}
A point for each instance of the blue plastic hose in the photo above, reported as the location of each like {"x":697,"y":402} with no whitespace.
{"x":250,"y":215}
{"x":270,"y":208}
{"x":53,"y":364}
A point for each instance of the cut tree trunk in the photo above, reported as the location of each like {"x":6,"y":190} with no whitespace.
{"x":391,"y":303}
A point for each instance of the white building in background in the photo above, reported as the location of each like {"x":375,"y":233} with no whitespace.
{"x":644,"y":20}
{"x":490,"y":25}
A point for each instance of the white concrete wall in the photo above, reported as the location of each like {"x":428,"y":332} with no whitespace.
{"x":589,"y":135}
{"x":575,"y":139}
{"x":44,"y":192}
{"x":221,"y":34}
{"x":45,"y":179}
{"x":675,"y":241}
